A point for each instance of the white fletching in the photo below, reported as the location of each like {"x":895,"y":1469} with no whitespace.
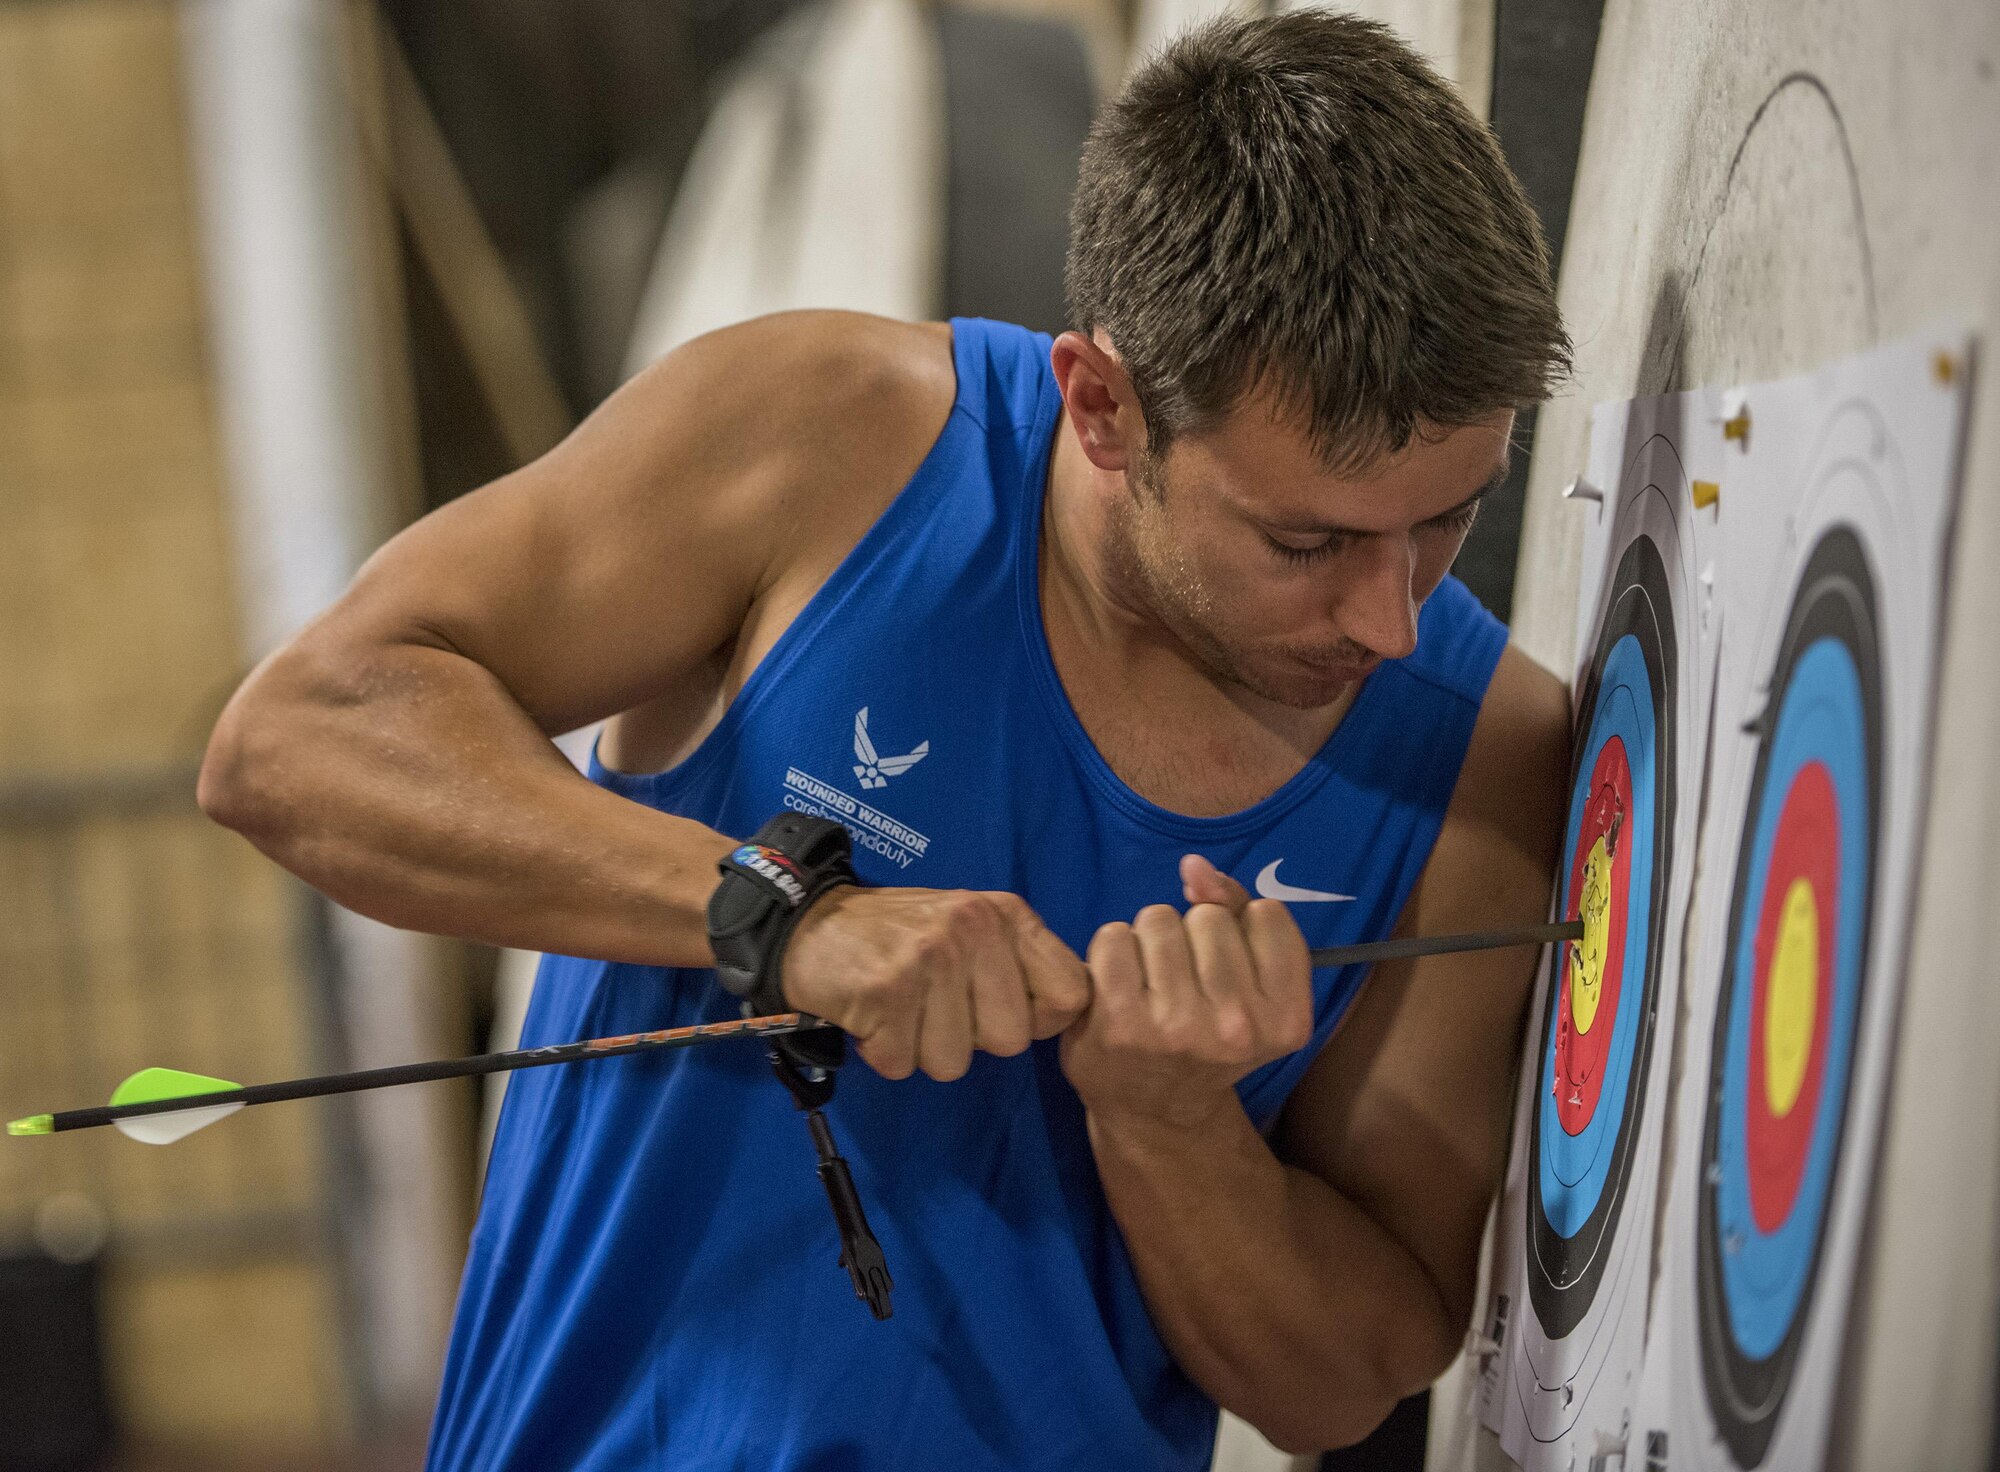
{"x":165,"y":1129}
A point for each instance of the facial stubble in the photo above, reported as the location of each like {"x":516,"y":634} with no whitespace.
{"x":1149,"y":559}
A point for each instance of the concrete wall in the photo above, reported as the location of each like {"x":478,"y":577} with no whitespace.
{"x":1762,"y":187}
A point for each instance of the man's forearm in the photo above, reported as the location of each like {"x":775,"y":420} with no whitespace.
{"x":408,"y":785}
{"x":1277,"y":1295}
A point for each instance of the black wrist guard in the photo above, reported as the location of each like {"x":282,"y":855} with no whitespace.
{"x":767,"y":886}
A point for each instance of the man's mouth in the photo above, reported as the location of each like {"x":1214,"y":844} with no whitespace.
{"x":1339,"y":668}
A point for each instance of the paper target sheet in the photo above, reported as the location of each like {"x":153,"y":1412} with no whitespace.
{"x":1575,"y":1234}
{"x":1759,"y":627}
{"x":1832,"y":607}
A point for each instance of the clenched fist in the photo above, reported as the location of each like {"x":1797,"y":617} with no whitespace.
{"x":921,"y":977}
{"x":1184,"y":1005}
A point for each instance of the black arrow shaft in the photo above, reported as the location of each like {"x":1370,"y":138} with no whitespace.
{"x":776,"y":1025}
{"x":1445,"y":945}
{"x":418,"y":1073}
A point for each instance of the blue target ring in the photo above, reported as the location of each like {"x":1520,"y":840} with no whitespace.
{"x":1764,"y":1276}
{"x":1575,"y":1169}
{"x":1577,"y":1182}
{"x":1822,"y":728}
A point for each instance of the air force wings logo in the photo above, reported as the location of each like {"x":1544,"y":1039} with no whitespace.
{"x":874,"y":770}
{"x":871,"y":828}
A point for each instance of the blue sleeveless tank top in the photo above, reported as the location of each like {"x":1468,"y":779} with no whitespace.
{"x":652,"y":1281}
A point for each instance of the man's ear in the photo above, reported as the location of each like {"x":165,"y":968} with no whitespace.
{"x":1099,"y":399}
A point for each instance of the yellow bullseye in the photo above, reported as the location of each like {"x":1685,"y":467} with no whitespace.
{"x":1791,"y":999}
{"x":1586,"y":957}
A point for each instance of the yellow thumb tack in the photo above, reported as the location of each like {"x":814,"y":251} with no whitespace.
{"x":1736,"y":418}
{"x":1706,"y":494}
{"x":1944,"y":368}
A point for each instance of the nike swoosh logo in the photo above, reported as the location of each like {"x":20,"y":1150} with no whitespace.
{"x":1269,"y":887}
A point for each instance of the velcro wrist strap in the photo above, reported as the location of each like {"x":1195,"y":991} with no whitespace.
{"x":767,"y":886}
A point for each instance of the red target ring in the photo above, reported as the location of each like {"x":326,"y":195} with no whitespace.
{"x":1791,"y":999}
{"x":1587,"y":1014}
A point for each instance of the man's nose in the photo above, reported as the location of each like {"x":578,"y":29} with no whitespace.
{"x":1376,"y":609}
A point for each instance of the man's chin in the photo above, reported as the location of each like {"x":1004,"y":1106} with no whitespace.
{"x":1300,"y":685}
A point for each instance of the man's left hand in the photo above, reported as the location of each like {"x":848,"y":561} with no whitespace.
{"x":1184,"y":1005}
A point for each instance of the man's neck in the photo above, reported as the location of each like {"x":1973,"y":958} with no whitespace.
{"x":1079,"y":572}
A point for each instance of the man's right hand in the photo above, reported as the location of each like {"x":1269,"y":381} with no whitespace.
{"x":919,"y":978}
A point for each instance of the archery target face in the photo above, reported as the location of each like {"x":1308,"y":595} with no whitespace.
{"x":1599,"y":1011}
{"x":1794,"y":970}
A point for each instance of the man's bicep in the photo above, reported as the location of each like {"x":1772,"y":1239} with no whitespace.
{"x":591,"y":578}
{"x":1406,"y":1110}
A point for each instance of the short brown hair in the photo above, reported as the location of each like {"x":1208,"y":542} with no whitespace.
{"x":1300,"y":198}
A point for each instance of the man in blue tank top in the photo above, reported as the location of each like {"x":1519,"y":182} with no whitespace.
{"x":1130,"y":664}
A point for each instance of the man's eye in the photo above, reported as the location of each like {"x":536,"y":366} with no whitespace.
{"x":1302,"y":555}
{"x":1457,"y":521}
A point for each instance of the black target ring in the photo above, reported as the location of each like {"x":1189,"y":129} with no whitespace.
{"x":1746,"y":1391}
{"x":1564,"y":1272}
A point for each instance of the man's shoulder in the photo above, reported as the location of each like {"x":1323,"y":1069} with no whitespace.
{"x":789,"y":434}
{"x":769,"y":448}
{"x":818,"y":382}
{"x":1458,"y":642}
{"x":1518,"y":763}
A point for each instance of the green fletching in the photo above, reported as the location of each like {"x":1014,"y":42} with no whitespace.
{"x":34,"y":1124}
{"x":151,"y":1085}
{"x":163,"y":1085}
